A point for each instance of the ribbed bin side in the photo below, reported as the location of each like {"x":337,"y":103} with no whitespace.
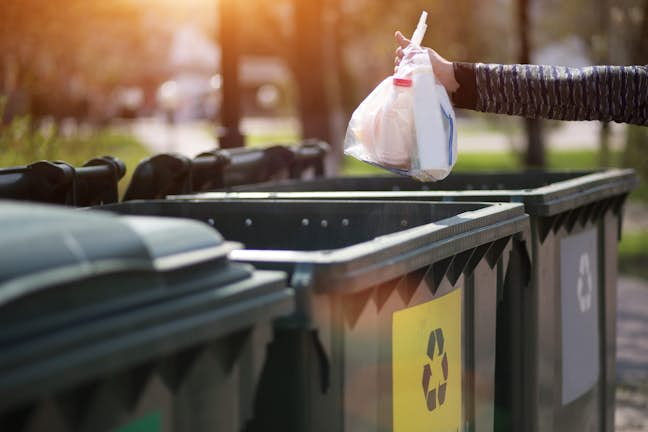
{"x":576,"y":224}
{"x":360,"y":280}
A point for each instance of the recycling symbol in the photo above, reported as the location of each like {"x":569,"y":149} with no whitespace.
{"x":584,"y":287}
{"x":434,"y":385}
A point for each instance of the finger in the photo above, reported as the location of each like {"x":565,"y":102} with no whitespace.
{"x":402,"y":40}
{"x":399,"y":52}
{"x":397,"y":61}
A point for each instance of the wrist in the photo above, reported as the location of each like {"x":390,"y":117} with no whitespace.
{"x":447,"y":76}
{"x":444,"y":71}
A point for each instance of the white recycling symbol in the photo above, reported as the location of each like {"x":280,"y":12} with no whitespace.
{"x":584,"y":288}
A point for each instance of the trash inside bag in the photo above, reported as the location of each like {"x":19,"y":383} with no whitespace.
{"x":406,"y":124}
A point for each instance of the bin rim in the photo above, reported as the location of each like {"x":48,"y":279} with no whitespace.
{"x":586,"y":188}
{"x":353,"y":268}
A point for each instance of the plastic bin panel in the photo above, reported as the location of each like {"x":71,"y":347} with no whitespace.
{"x":561,"y":205}
{"x":330,"y":365}
{"x":580,"y":313}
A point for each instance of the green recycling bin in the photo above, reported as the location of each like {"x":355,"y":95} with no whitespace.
{"x":128,"y":323}
{"x":561,"y":372}
{"x":395,"y":326}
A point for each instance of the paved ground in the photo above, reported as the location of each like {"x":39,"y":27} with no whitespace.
{"x":190,"y":138}
{"x":632,"y":356}
{"x":635,"y":217}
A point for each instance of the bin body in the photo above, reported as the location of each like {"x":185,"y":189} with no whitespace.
{"x":562,"y":331}
{"x":385,"y":292}
{"x":125,"y":324}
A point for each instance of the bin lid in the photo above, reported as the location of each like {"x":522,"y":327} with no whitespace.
{"x":85,"y":293}
{"x":51,"y":245}
{"x":62,"y":265}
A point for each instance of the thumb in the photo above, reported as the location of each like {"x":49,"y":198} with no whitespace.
{"x":402,"y":40}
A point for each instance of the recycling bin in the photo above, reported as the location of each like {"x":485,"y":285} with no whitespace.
{"x":395,"y":322}
{"x":560,"y":374}
{"x":128,"y":323}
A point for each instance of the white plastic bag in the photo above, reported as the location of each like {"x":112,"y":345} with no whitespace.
{"x":406,"y":124}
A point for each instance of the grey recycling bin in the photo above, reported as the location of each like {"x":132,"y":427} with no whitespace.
{"x":561,"y":373}
{"x":128,"y":323}
{"x":395,"y":325}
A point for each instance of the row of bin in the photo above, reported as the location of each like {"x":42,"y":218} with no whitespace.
{"x":483,"y":302}
{"x":96,"y":182}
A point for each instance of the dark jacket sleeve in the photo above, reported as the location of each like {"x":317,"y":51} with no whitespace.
{"x":606,"y":93}
{"x":466,"y":95}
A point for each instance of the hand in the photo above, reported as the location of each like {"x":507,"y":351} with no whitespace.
{"x":443,"y":69}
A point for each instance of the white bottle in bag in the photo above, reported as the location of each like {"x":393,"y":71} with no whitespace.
{"x":435,"y":129}
{"x":433,"y":117}
{"x":393,"y":143}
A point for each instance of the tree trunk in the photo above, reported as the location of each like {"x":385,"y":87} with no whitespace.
{"x":230,"y":57}
{"x":604,"y":145}
{"x":603,"y":57}
{"x":637,"y":136}
{"x":310,"y":68}
{"x":641,"y":46}
{"x":535,"y":155}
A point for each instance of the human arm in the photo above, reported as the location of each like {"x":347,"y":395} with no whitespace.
{"x":606,"y":93}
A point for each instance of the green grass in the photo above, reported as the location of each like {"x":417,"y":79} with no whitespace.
{"x":271,"y":139}
{"x":21,"y":145}
{"x":633,"y":254}
{"x":509,"y":161}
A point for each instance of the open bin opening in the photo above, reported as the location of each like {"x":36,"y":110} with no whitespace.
{"x":455,"y":181}
{"x":300,"y":225}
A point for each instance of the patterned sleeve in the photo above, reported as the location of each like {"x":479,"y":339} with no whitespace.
{"x":606,"y":93}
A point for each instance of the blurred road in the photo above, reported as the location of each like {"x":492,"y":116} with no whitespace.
{"x":632,"y":355}
{"x":568,"y":136}
{"x":190,"y":138}
{"x":632,"y":330}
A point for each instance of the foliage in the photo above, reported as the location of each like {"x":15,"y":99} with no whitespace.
{"x":611,"y":30}
{"x":21,"y":143}
{"x":63,"y":57}
{"x":635,"y":156}
{"x":633,"y":254}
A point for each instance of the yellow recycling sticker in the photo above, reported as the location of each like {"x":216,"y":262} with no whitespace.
{"x":426,"y":362}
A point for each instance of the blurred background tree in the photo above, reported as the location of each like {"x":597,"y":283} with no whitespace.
{"x":72,"y":58}
{"x":64,"y":58}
